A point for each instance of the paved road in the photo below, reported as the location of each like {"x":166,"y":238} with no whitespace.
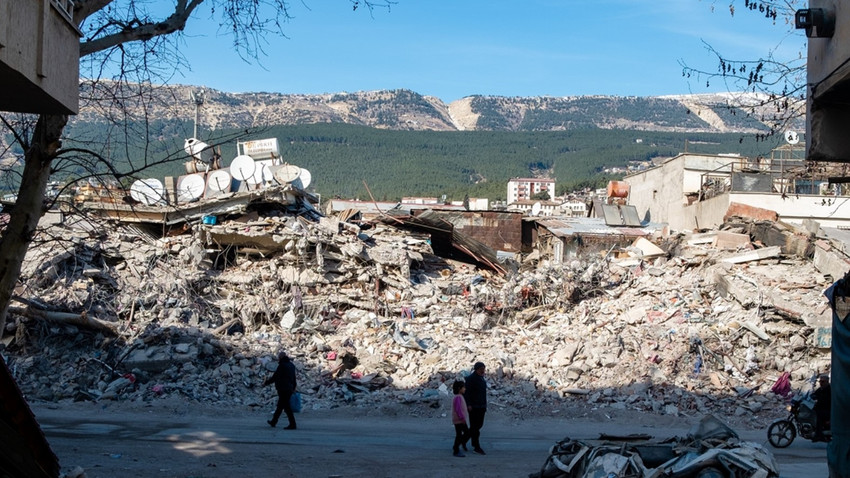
{"x":161,"y":443}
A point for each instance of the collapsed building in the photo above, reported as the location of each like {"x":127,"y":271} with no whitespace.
{"x":190,"y":289}
{"x":389,"y":309}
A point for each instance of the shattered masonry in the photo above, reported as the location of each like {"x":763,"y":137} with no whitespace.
{"x":371,"y":315}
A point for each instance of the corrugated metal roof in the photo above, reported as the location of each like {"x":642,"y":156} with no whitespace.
{"x":567,"y":227}
{"x":375,"y":207}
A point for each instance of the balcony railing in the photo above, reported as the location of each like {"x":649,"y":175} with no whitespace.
{"x":784,"y":172}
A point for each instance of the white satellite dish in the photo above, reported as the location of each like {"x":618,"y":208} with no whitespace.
{"x":219,"y":181}
{"x":535,"y":209}
{"x":305,"y":177}
{"x":191,"y":187}
{"x":791,"y":137}
{"x":262,"y":174}
{"x":242,"y":167}
{"x":147,"y":191}
{"x":287,"y":173}
{"x":198,"y":149}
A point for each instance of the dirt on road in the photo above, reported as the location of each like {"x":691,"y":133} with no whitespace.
{"x":189,"y":440}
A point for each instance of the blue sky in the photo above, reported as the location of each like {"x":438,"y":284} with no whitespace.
{"x":454,"y":48}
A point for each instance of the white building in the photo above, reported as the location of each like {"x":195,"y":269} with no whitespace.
{"x":521,"y":189}
{"x":420,"y":200}
{"x":475,"y":204}
{"x":543,"y":208}
{"x":694,"y":191}
{"x":575,"y":208}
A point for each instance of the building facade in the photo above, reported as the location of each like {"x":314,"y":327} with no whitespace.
{"x":522,"y":189}
{"x":39,"y":57}
{"x":696,"y":191}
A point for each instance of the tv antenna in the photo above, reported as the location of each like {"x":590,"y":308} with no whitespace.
{"x":199,"y":101}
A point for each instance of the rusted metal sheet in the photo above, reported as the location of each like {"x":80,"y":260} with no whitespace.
{"x":446,"y":241}
{"x":501,"y":231}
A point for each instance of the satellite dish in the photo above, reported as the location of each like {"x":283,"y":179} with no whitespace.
{"x":305,"y":177}
{"x":242,"y":167}
{"x":191,"y":187}
{"x":287,"y":173}
{"x":147,"y":191}
{"x":262,"y":174}
{"x":535,"y":209}
{"x":791,"y":137}
{"x":219,"y":181}
{"x":198,"y":149}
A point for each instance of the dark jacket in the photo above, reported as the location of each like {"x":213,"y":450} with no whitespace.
{"x":284,"y":376}
{"x":823,"y":400}
{"x":476,"y":391}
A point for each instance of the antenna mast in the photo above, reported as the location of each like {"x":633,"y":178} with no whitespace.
{"x":199,"y":101}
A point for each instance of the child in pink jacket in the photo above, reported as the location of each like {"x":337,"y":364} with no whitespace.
{"x":459,"y":414}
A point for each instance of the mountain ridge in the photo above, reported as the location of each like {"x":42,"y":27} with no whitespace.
{"x":407,"y":110}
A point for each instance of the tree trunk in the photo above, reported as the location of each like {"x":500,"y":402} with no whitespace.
{"x":29,"y":206}
{"x":80,"y":320}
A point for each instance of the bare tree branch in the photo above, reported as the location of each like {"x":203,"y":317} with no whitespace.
{"x":139,"y":29}
{"x":130,"y":42}
{"x":778,"y":85}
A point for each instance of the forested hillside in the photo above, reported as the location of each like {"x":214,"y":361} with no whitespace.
{"x":403,"y":143}
{"x":608,"y":112}
{"x":431,"y":163}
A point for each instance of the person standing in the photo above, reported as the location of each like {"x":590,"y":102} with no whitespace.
{"x":284,"y":382}
{"x":476,"y":401}
{"x":823,"y":406}
{"x":459,"y":414}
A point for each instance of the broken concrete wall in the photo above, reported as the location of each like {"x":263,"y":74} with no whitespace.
{"x":830,"y":260}
{"x":750,"y":212}
{"x":706,"y":214}
{"x":689,"y":331}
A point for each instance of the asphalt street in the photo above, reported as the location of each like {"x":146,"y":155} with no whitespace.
{"x":334,"y":443}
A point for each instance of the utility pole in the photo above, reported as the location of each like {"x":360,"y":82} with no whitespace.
{"x":199,"y":101}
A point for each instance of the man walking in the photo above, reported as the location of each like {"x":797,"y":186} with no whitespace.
{"x":476,"y":401}
{"x":284,"y":382}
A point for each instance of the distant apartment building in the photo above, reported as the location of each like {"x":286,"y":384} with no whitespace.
{"x":475,"y":204}
{"x":421,"y":200}
{"x":522,"y":189}
{"x":536,"y":208}
{"x":575,"y":208}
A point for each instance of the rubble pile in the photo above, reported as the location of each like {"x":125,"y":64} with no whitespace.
{"x":711,"y":448}
{"x":371,"y":316}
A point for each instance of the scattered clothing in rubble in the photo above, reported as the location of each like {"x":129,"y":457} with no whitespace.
{"x":782,"y":386}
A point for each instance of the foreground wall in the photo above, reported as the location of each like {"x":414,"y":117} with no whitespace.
{"x":39,"y":57}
